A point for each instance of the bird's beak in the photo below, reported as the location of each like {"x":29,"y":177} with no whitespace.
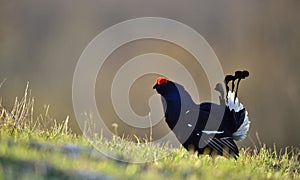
{"x":155,"y":86}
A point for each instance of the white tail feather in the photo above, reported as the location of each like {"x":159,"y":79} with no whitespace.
{"x":241,"y":133}
{"x":232,"y":104}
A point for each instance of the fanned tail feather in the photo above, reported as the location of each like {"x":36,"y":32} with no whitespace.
{"x":241,"y":133}
{"x":233,"y":104}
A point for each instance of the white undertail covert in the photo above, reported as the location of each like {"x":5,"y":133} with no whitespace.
{"x":232,"y":104}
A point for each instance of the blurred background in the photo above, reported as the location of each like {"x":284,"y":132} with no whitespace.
{"x":41,"y":42}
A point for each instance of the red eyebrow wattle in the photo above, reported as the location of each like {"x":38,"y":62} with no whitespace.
{"x":161,"y":80}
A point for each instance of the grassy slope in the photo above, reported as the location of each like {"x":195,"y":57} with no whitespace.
{"x":29,"y":151}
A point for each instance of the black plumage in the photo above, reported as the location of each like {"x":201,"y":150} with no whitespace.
{"x":207,"y":128}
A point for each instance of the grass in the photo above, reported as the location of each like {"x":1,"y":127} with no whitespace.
{"x":41,"y":148}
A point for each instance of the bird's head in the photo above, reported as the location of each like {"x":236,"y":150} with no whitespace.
{"x":168,"y":89}
{"x":162,"y":85}
{"x":172,"y":91}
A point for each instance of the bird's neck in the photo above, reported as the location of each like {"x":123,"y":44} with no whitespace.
{"x":172,"y":112}
{"x":177,"y":103}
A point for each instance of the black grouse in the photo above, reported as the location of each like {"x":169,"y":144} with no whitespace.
{"x":207,"y":128}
